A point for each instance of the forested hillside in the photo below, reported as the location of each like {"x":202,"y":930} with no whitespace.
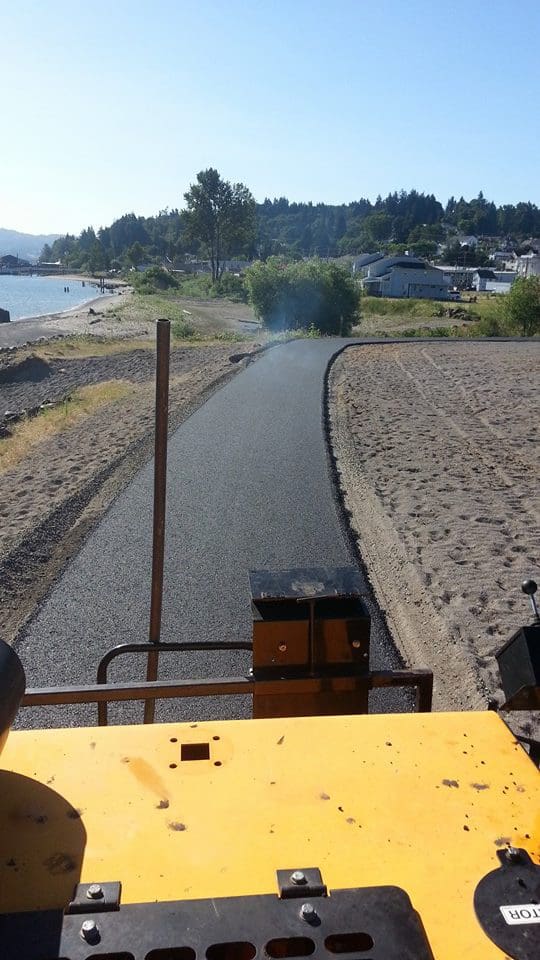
{"x":407,"y":220}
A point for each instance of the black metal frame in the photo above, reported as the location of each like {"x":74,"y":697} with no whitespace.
{"x":379,"y":919}
{"x":104,"y":693}
{"x":184,"y":645}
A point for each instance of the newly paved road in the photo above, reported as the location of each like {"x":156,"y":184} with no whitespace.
{"x":249,"y":487}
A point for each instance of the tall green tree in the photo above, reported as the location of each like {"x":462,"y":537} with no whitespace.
{"x":221,"y":217}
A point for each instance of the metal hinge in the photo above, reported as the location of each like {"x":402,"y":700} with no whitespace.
{"x":301,"y":882}
{"x":95,"y":898}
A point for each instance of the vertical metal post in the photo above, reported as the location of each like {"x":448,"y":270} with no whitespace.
{"x":160,"y":486}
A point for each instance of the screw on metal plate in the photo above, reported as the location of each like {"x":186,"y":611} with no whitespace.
{"x":94,"y":892}
{"x":308,"y":912}
{"x":282,"y":647}
{"x":301,"y":883}
{"x":90,"y":931}
{"x":513,"y":854}
{"x":356,"y":644}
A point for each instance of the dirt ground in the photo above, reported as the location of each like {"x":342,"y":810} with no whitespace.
{"x":437,"y":451}
{"x":66,"y":480}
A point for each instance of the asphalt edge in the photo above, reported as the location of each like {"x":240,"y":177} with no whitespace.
{"x":70,"y":514}
{"x":344,"y":514}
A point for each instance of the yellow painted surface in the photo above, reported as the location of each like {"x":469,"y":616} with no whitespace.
{"x":420,"y":801}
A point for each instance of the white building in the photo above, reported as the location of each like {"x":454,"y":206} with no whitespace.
{"x":529,"y":265}
{"x":406,"y":277}
{"x":481,"y":277}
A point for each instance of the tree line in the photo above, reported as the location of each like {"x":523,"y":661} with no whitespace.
{"x":221,"y":220}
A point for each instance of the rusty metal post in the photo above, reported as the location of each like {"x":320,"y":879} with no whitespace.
{"x":160,"y":487}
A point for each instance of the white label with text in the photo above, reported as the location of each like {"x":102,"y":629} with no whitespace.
{"x":521,"y":913}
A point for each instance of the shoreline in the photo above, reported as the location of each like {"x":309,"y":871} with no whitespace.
{"x":105,"y":298}
{"x":95,"y":317}
{"x":114,"y":288}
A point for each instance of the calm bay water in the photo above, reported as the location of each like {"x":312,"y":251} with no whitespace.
{"x":35,"y":296}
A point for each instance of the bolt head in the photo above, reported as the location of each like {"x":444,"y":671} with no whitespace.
{"x":94,"y":891}
{"x":356,"y":644}
{"x":308,"y":912}
{"x":298,"y":877}
{"x":282,"y":647}
{"x":90,"y":931}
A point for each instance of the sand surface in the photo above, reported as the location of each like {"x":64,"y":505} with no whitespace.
{"x":438,"y":457}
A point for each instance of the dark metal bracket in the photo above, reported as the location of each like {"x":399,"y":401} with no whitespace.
{"x":95,"y":898}
{"x":301,"y":882}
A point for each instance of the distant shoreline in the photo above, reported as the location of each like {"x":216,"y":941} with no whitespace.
{"x":113,"y":288}
{"x":105,"y":299}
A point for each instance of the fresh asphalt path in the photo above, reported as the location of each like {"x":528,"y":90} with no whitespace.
{"x":249,"y":487}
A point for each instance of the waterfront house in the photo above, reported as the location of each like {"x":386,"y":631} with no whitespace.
{"x":405,"y":276}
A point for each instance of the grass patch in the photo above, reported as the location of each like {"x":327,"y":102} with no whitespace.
{"x":86,"y":345}
{"x":401,"y":307}
{"x":284,"y":335}
{"x":384,"y":316}
{"x":50,"y":422}
{"x":185,"y":330}
{"x":147,"y":308}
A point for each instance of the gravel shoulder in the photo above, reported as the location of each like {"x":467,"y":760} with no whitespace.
{"x":438,"y":461}
{"x":66,"y":481}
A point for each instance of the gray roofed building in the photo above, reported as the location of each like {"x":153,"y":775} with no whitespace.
{"x":405,"y":276}
{"x":360,"y":263}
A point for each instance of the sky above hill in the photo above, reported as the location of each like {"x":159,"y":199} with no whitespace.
{"x":114,"y":107}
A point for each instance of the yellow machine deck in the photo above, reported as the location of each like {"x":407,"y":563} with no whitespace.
{"x":178,"y":813}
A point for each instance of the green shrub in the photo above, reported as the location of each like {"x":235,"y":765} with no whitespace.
{"x":154,"y":280}
{"x":312,"y":294}
{"x":522,"y":306}
{"x":232,"y":287}
{"x":183,"y":330}
{"x":198,"y":286}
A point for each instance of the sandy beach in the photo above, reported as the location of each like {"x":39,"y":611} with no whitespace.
{"x":96,"y":317}
{"x":437,"y":452}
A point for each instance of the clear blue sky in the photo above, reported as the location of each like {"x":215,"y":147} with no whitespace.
{"x":109,"y":108}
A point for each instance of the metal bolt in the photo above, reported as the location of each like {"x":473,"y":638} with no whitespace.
{"x":513,"y":853}
{"x":90,"y":931}
{"x":308,"y":912}
{"x":94,"y":891}
{"x":298,"y":877}
{"x":282,"y":647}
{"x":356,"y":644}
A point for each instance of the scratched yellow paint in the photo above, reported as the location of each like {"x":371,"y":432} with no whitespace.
{"x":422,"y":801}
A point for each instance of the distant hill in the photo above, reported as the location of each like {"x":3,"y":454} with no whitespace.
{"x":28,"y":246}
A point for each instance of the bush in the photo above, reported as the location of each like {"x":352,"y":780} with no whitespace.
{"x":522,"y":306}
{"x":488,"y":327}
{"x":302,"y":295}
{"x":197,"y":286}
{"x":232,"y":287}
{"x":183,"y":330}
{"x":153,"y":280}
